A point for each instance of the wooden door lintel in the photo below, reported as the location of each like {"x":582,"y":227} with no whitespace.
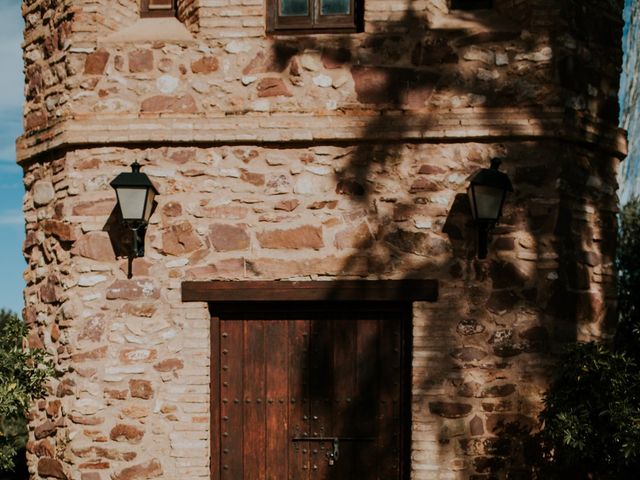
{"x":409,"y":290}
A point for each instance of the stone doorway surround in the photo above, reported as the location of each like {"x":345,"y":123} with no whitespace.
{"x":259,"y":295}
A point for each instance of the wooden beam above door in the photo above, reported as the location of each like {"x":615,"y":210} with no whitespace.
{"x":311,"y":291}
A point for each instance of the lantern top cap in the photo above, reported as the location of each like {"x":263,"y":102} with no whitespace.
{"x":492,"y":177}
{"x":133,"y":179}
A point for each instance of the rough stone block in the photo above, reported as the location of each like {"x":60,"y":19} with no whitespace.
{"x":141,"y":389}
{"x":135,"y":289}
{"x":180,"y":239}
{"x":226,"y":238}
{"x":96,"y":62}
{"x":43,"y":193}
{"x":140,"y":61}
{"x":272,"y":87}
{"x":296,"y":238}
{"x":205,"y":65}
{"x":126,"y":433}
{"x":50,"y":467}
{"x":96,"y":246}
{"x":450,"y":409}
{"x":143,"y":471}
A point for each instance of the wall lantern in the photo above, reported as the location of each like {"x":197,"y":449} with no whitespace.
{"x":135,"y":194}
{"x":487,"y":190}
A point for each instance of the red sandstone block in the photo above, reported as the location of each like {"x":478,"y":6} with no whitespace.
{"x":302,"y":237}
{"x":126,"y":433}
{"x":272,"y":87}
{"x":225,"y":237}
{"x":140,"y":61}
{"x":96,"y":62}
{"x":150,"y":469}
{"x":50,"y":467}
{"x":205,"y":65}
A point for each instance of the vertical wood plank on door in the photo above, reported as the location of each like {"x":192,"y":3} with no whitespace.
{"x":404,"y":402}
{"x":276,"y":336}
{"x":345,"y":355}
{"x":367,"y":395}
{"x":322,"y":392}
{"x":390,"y":355}
{"x":298,"y":401}
{"x":231,"y":357}
{"x":254,"y":404}
{"x":216,"y":392}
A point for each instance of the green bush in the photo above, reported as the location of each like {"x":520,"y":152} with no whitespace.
{"x":592,"y":416}
{"x":23,"y":372}
{"x":628,"y":265}
{"x":592,"y":408}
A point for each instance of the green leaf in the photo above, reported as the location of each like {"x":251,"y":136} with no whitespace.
{"x":20,"y":385}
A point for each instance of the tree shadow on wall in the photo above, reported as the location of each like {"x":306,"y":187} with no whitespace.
{"x":482,"y":422}
{"x":373,"y":346}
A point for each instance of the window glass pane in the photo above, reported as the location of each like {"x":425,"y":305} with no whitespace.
{"x":336,"y":7}
{"x":294,"y":8}
{"x":160,"y":4}
{"x":471,"y":4}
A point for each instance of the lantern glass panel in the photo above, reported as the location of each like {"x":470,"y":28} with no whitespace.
{"x":133,"y":202}
{"x":149,"y":204}
{"x":487,"y":202}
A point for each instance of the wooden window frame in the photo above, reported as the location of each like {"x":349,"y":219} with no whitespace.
{"x":471,"y":4}
{"x":145,"y":12}
{"x":315,"y":22}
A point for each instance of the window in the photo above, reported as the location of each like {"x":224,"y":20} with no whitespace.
{"x":158,"y":8}
{"x":313,"y":16}
{"x":470,"y":4}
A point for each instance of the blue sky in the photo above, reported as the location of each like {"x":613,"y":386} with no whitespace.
{"x":626,"y":15}
{"x":12,"y":263}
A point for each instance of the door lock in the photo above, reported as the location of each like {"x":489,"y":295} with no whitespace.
{"x":334,"y":454}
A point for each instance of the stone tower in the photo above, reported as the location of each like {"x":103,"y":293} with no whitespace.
{"x":313,"y":153}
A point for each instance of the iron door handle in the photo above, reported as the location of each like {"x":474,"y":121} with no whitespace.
{"x":331,"y":439}
{"x":334,"y":454}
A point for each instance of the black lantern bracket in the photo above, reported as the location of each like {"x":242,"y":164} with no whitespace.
{"x":139,"y":230}
{"x":488,"y":188}
{"x":135,"y":195}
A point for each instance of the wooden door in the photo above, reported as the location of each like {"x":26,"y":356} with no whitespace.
{"x":310,"y":391}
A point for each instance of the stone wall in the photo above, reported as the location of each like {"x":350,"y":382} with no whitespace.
{"x":48,"y":26}
{"x":137,"y":390}
{"x":630,"y":99}
{"x":415,"y":59}
{"x":312,"y":158}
